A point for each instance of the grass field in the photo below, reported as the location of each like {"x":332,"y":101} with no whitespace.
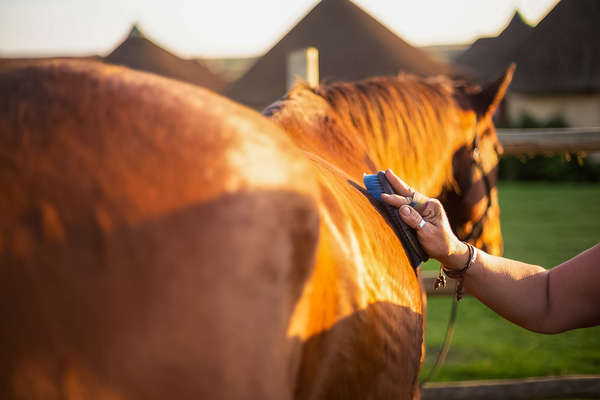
{"x":544,"y":224}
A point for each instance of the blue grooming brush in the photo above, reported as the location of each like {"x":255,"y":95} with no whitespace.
{"x":377,"y":184}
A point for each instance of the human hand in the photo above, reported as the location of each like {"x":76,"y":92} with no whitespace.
{"x":435,"y":235}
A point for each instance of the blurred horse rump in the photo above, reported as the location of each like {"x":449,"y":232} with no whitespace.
{"x":154,"y":239}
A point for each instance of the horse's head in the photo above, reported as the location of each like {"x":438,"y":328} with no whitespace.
{"x":472,"y":200}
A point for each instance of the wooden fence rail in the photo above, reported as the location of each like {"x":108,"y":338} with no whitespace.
{"x":558,"y":140}
{"x":557,"y":387}
{"x":429,"y":277}
{"x":522,"y":141}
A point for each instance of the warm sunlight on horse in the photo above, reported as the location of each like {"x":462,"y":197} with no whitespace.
{"x":160,"y":241}
{"x":427,"y":131}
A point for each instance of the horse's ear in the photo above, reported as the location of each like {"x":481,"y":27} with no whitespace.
{"x":485,"y":100}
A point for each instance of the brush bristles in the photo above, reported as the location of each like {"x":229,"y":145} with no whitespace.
{"x":373,"y":185}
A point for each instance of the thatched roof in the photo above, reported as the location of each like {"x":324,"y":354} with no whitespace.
{"x":488,"y":57}
{"x":138,"y":52}
{"x":562,"y":54}
{"x":352,"y":45}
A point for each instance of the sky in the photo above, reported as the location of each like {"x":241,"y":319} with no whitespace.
{"x":233,"y":28}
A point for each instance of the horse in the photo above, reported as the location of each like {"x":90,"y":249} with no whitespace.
{"x":159,"y":240}
{"x":438,"y":135}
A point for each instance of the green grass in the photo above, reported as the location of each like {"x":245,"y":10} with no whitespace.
{"x":544,"y":224}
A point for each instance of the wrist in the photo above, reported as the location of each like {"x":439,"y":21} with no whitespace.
{"x":457,"y":257}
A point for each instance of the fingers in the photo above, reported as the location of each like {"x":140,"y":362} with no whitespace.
{"x":401,"y":188}
{"x":395,"y":200}
{"x":410,"y":216}
{"x":398,"y":184}
{"x":432,"y":211}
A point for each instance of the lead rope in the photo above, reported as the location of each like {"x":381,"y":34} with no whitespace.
{"x":443,"y":353}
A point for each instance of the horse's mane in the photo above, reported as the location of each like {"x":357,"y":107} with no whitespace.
{"x":407,"y":123}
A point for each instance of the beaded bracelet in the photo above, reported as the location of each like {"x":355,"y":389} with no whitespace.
{"x":458,"y":275}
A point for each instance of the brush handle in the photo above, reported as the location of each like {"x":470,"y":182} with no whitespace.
{"x":407,"y":235}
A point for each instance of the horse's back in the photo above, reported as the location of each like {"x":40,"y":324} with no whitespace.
{"x":148,"y":228}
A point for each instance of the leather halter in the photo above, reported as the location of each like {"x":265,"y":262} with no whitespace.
{"x":477,"y":228}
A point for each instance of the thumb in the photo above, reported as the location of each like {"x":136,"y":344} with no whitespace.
{"x":410,"y":216}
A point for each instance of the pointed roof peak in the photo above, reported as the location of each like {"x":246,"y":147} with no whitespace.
{"x":517,"y":21}
{"x":516,"y":28}
{"x":561,"y":54}
{"x":135,"y":31}
{"x":518,"y":17}
{"x":488,"y":57}
{"x":139,"y":52}
{"x":352,"y":45}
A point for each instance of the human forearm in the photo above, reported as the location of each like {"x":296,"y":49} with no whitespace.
{"x":562,"y":298}
{"x":515,"y":290}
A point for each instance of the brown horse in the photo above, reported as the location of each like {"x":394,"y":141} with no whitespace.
{"x":437,"y":135}
{"x":159,"y":241}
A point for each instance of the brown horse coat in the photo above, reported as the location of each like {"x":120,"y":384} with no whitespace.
{"x":420,"y":128}
{"x":159,"y":241}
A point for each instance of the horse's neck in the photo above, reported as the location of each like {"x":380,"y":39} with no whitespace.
{"x":418,"y":151}
{"x":418,"y":146}
{"x":328,"y":138}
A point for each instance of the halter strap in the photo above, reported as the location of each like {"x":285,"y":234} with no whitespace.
{"x":477,"y":228}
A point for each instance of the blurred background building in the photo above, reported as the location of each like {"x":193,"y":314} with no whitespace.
{"x":139,"y":52}
{"x":352,"y":45}
{"x":557,"y":76}
{"x":558,"y":64}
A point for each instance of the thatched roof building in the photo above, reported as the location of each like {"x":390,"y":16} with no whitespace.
{"x":488,"y":57}
{"x":352,"y":45}
{"x":562,"y":54}
{"x":138,"y":52}
{"x":558,"y":65}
